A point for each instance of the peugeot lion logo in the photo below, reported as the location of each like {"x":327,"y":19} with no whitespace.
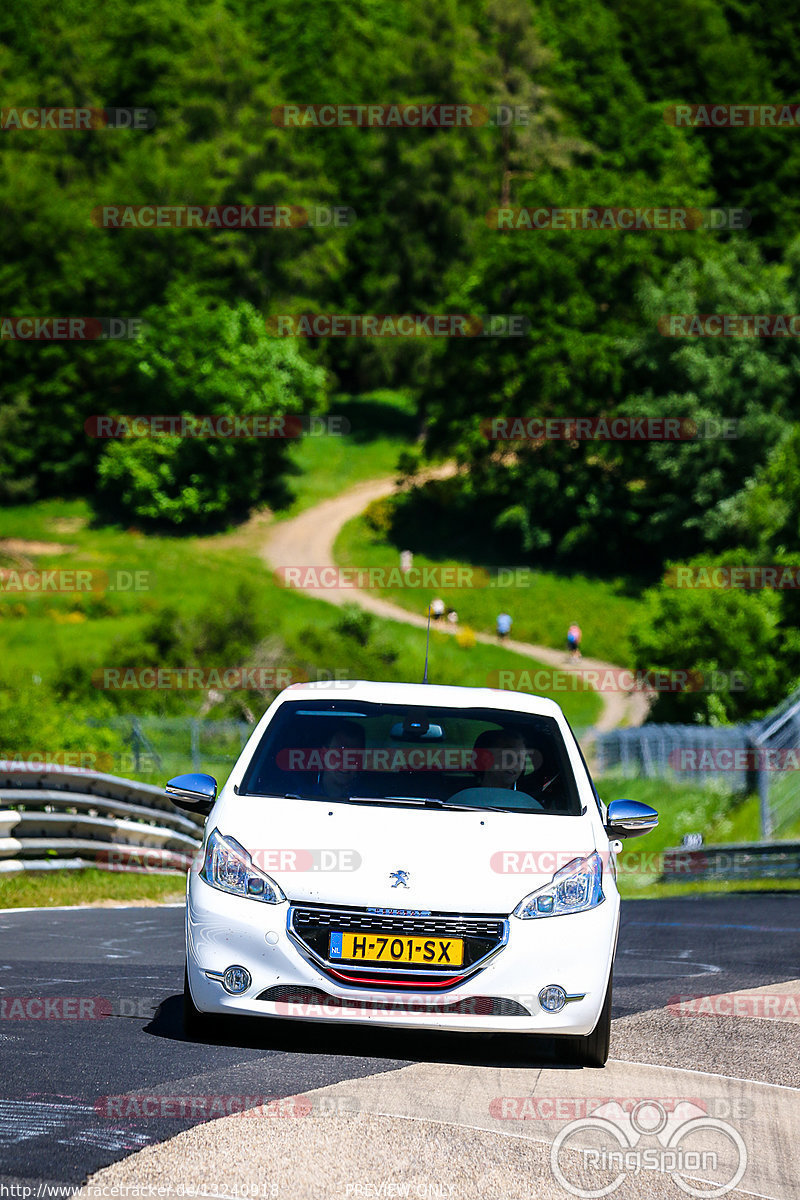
{"x":399,"y":877}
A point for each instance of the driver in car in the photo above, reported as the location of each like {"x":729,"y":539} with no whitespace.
{"x":500,"y":758}
{"x":338,"y":776}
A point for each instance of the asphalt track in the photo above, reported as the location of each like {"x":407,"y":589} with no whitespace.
{"x":365,"y":1083}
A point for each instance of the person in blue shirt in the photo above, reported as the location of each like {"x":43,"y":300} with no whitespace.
{"x":503,"y":625}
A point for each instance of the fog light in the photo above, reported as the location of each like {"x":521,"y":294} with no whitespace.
{"x":236,"y":980}
{"x":552,"y":998}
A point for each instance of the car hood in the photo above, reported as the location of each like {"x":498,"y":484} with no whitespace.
{"x":338,"y":853}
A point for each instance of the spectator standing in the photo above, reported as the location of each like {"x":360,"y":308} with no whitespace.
{"x":574,"y":640}
{"x":504,"y":624}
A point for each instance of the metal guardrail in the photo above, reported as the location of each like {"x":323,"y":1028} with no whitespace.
{"x":754,"y":860}
{"x":54,"y":816}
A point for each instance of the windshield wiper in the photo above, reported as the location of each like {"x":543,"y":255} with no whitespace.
{"x":434,"y":802}
{"x":420,"y":801}
{"x":412,"y":801}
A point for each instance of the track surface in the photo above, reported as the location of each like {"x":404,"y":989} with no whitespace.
{"x":55,"y":1070}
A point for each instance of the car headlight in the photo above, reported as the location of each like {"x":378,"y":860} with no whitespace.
{"x":575,"y":888}
{"x":230,"y":868}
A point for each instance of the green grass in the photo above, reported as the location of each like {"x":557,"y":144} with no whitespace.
{"x":720,"y":816}
{"x":88,"y":886}
{"x":41,"y":637}
{"x":702,"y":887}
{"x":381,"y":425}
{"x":39,"y":631}
{"x":542,"y":604}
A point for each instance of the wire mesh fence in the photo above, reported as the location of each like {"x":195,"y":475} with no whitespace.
{"x":160,"y":747}
{"x":760,"y":756}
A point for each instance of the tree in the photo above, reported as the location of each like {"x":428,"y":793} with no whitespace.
{"x":741,"y":655}
{"x":203,"y":358}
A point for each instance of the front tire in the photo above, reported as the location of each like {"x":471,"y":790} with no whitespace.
{"x":592,"y":1050}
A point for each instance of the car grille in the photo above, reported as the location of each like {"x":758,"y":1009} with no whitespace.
{"x":483,"y":1006}
{"x":313,"y":924}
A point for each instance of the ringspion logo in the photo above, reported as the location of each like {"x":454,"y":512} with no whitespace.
{"x":691,"y":1145}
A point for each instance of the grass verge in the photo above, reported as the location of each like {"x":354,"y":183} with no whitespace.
{"x":380,"y":425}
{"x":541,"y":603}
{"x":49,"y":889}
{"x":720,"y":816}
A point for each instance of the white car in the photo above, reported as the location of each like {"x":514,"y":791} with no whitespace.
{"x":411,"y":856}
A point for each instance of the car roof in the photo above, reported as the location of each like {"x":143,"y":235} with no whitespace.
{"x":425,"y":694}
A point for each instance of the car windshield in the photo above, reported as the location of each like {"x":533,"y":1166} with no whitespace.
{"x":405,"y":754}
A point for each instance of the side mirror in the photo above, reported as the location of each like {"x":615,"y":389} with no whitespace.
{"x":196,"y":793}
{"x":630,"y":818}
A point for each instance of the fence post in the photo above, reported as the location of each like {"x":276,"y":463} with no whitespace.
{"x":195,"y":736}
{"x":136,"y":743}
{"x":763,"y":795}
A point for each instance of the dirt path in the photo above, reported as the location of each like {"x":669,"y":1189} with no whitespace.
{"x":307,"y":541}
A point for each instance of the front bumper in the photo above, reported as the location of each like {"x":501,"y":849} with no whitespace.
{"x":573,"y":951}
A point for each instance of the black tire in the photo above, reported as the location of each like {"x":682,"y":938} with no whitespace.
{"x":592,"y":1050}
{"x":197,"y":1026}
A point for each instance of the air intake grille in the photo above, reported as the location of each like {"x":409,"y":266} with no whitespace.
{"x":481,"y":1006}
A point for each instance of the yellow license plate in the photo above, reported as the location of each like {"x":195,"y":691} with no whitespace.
{"x":383,"y":948}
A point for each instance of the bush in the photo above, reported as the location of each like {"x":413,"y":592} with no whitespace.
{"x":743,"y":637}
{"x":206,"y":360}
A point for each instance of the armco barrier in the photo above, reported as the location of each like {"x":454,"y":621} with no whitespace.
{"x":754,"y":860}
{"x":53,"y":816}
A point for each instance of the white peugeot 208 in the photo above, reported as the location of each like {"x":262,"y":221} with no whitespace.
{"x":408,"y":855}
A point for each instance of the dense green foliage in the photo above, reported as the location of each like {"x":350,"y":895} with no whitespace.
{"x":596,"y":87}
